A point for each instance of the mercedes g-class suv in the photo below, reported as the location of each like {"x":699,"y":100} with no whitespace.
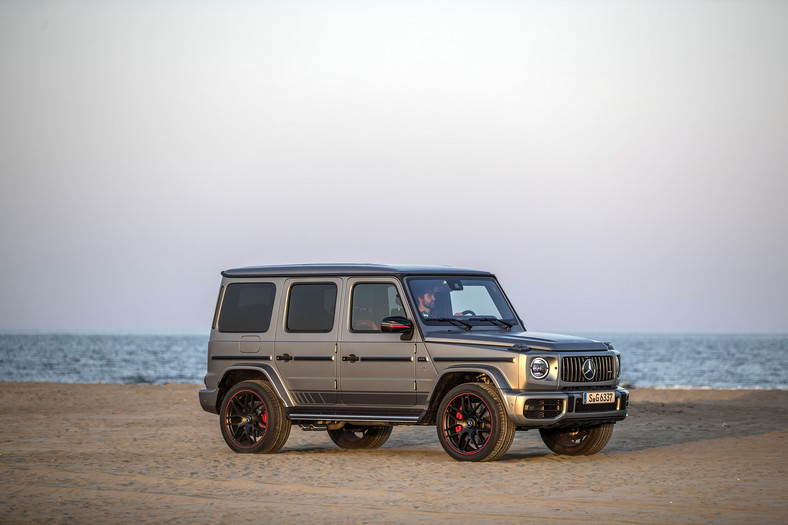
{"x":356,"y":349}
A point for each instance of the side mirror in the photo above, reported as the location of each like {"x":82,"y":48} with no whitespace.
{"x":401,"y":325}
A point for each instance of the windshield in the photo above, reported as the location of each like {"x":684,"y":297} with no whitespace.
{"x":463,"y":302}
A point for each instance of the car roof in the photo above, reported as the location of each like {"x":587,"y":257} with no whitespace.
{"x":302,"y":270}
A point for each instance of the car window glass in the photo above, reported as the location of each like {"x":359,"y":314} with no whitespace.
{"x":311,"y":307}
{"x":476,"y":298}
{"x":371,"y":302}
{"x":459,"y":297}
{"x":247,"y":307}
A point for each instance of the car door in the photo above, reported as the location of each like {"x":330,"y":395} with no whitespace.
{"x":306,"y":343}
{"x":375,"y":368}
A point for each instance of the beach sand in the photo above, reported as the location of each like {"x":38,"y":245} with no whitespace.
{"x":130,"y":453}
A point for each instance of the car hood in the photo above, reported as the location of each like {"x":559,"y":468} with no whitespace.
{"x":521,"y":340}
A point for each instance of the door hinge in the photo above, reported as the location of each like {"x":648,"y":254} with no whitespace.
{"x":414,"y":386}
{"x":335,"y":384}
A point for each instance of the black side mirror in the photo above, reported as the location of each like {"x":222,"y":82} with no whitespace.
{"x":401,"y":325}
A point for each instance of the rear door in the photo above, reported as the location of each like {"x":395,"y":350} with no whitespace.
{"x":306,"y":342}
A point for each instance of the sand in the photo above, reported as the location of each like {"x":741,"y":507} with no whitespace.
{"x":129,"y":454}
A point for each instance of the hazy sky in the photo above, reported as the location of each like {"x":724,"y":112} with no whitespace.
{"x":619,"y":165}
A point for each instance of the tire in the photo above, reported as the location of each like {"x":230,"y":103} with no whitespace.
{"x":360,"y":437}
{"x":252,"y":419}
{"x":473,"y":425}
{"x":577,"y":441}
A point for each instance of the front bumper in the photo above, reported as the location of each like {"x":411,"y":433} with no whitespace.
{"x":559,"y":409}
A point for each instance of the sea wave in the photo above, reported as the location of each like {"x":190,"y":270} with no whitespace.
{"x":667,"y":361}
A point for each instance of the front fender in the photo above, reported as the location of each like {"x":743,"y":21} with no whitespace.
{"x":497,"y":376}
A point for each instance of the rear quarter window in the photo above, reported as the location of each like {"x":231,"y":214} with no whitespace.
{"x":311,"y":307}
{"x":247,"y":307}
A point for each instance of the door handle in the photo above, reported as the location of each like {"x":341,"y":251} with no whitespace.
{"x":352,"y":358}
{"x":284,"y":357}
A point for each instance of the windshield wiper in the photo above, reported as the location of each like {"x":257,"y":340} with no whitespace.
{"x":495,"y":321}
{"x":452,"y":320}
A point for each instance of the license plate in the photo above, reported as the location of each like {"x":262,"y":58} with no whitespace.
{"x":594,"y":398}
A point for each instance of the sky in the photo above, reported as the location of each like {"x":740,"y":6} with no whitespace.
{"x":620,"y":166}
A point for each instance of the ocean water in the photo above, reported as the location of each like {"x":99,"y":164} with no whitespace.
{"x":701,"y":360}
{"x":103,"y":358}
{"x":648,"y":360}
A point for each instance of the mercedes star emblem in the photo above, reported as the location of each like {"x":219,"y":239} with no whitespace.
{"x":589,"y":369}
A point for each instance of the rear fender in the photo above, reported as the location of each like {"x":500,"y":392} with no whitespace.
{"x":267,"y":370}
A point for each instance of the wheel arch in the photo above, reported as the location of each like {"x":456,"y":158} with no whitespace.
{"x":251,"y":372}
{"x":457,"y":375}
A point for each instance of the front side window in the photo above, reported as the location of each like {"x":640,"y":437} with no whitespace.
{"x":311,"y":307}
{"x":461,"y":301}
{"x":371,"y":302}
{"x":247,"y":307}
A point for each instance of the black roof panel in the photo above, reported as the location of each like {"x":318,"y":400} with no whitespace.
{"x":288,"y":270}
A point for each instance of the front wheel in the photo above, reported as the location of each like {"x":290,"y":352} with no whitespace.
{"x":577,"y":441}
{"x":358,"y":437}
{"x":473,"y":424}
{"x":253,"y":419}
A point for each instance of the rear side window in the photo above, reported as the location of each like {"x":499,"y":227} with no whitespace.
{"x":247,"y":307}
{"x":311,"y":307}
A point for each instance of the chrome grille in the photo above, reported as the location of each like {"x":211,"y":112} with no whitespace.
{"x":572,"y":368}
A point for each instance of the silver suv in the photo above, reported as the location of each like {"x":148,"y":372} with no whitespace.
{"x":356,"y":349}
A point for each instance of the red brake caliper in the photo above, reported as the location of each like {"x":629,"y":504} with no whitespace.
{"x":265,"y":420}
{"x":458,"y":427}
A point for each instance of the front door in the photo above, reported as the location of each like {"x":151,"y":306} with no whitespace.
{"x":306,"y":345}
{"x":375,"y":368}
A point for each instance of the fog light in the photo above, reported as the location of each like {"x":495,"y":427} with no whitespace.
{"x":539,"y":368}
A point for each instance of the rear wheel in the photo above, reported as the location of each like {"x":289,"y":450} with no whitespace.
{"x":358,"y":436}
{"x":577,"y":441}
{"x":253,"y":419}
{"x":473,"y":424}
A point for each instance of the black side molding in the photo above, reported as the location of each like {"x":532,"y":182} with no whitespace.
{"x":387,"y":358}
{"x":243,"y":356}
{"x":475,"y":359}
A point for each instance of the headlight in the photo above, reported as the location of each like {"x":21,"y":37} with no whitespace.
{"x":618,"y":365}
{"x":539,"y":368}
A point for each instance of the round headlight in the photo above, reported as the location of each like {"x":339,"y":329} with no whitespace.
{"x":539,"y":368}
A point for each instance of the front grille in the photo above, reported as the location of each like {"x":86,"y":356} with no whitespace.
{"x":601,"y":407}
{"x":572,"y":368}
{"x":543,"y":408}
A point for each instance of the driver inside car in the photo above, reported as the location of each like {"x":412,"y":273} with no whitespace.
{"x":426,"y":300}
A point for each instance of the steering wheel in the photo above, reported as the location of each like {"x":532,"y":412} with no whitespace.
{"x":468,"y":312}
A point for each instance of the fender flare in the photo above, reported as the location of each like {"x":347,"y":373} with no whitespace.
{"x":497,"y":376}
{"x":271,"y":375}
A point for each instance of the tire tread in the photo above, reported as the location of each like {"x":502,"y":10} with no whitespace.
{"x":597,"y":439}
{"x":374,"y":438}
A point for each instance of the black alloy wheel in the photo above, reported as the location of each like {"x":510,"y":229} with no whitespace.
{"x":473,"y":425}
{"x":467,"y":423}
{"x":252,"y":418}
